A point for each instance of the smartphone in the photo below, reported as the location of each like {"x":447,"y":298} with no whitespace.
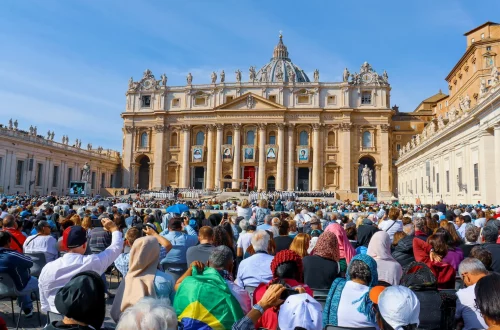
{"x":288,"y":292}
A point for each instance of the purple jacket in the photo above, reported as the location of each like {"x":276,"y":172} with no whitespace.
{"x":454,"y":257}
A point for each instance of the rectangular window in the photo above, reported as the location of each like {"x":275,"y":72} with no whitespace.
{"x":366,"y":98}
{"x":103,"y":179}
{"x":200,"y":101}
{"x":272,"y":98}
{"x":146,"y":101}
{"x":176,"y":103}
{"x":460,"y":179}
{"x":398,"y":147}
{"x":39,"y":172}
{"x":92,"y":182}
{"x":55,"y":176}
{"x":229,"y":139}
{"x":272,"y":139}
{"x":448,"y":181}
{"x":331,"y":99}
{"x":476,"y":177}
{"x":19,"y":172}
{"x":303,"y":99}
{"x":488,"y":48}
{"x":229,"y":98}
{"x":70,"y":176}
{"x":437,"y":182}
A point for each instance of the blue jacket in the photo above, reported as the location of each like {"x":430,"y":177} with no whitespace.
{"x":17,"y":265}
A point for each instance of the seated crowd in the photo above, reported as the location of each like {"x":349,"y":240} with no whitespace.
{"x":266,"y":267}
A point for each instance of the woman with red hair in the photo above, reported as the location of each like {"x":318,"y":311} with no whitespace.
{"x":287,"y":270}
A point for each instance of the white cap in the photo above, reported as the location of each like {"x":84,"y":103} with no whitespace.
{"x":399,"y":306}
{"x":300,"y":310}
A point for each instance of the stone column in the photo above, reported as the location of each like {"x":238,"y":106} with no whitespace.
{"x":127,"y":157}
{"x":262,"y":157}
{"x":157,"y":181}
{"x":186,"y":129}
{"x":152,"y":170}
{"x":310,"y":179}
{"x":317,"y":168}
{"x":378,"y":176}
{"x":209,"y":174}
{"x":497,"y":163}
{"x":281,"y":159}
{"x":355,"y":180}
{"x":218,"y":156}
{"x":385,"y":158}
{"x":236,"y":155}
{"x":291,"y":158}
{"x":345,"y":182}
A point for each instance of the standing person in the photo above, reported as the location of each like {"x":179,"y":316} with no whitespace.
{"x":245,"y":239}
{"x":17,"y":237}
{"x":388,"y":269}
{"x":42,"y":242}
{"x":59,"y":272}
{"x":391,"y":225}
{"x":261,"y":212}
{"x":18,"y":267}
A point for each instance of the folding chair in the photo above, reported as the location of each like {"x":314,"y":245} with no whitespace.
{"x":8,"y":290}
{"x":39,"y":262}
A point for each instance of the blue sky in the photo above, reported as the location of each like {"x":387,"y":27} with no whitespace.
{"x":64,"y":65}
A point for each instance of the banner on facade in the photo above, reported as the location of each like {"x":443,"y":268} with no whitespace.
{"x":227,"y":152}
{"x":248,"y":153}
{"x":271,"y":153}
{"x":303,"y":154}
{"x":367,"y":194}
{"x":197,"y":154}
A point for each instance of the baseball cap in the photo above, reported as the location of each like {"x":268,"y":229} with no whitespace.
{"x":75,"y":236}
{"x":399,"y":306}
{"x":300,"y":310}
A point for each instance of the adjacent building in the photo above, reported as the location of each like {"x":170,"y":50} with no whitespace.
{"x":456,"y":158}
{"x":275,"y":129}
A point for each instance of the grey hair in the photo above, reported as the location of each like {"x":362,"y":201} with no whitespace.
{"x":471,"y":233}
{"x":409,"y":229}
{"x":149,"y":314}
{"x":220,"y":257}
{"x":260,"y":240}
{"x":472,"y":266}
{"x":360,"y":270}
{"x":490,"y":234}
{"x":267,"y":219}
{"x":276,"y":221}
{"x":420,"y":224}
{"x":243,"y":224}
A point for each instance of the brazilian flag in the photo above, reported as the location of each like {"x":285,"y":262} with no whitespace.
{"x":205,"y":302}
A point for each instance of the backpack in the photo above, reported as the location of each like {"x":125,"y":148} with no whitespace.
{"x":437,"y":307}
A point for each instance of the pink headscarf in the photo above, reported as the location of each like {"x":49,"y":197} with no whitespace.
{"x":389,"y":270}
{"x":345,"y":248}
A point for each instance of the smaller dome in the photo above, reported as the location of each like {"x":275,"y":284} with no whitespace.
{"x":281,"y":68}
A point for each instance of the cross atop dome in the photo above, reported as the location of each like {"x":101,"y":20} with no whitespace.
{"x":280,"y":51}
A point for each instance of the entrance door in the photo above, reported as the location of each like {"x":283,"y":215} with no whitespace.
{"x":144,"y":173}
{"x":227,"y":184}
{"x":303,"y":179}
{"x":271,"y":183}
{"x":199,"y":177}
{"x":249,"y":173}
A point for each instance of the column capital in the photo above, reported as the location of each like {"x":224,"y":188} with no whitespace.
{"x":160,"y":128}
{"x":346,"y":127}
{"x":496,"y":126}
{"x":219,"y":127}
{"x":128,"y":129}
{"x":185,"y":127}
{"x":261,"y":126}
{"x":385,"y":128}
{"x":316,"y":126}
{"x":378,"y":166}
{"x":281,"y":126}
{"x":210,"y":127}
{"x":236,"y":126}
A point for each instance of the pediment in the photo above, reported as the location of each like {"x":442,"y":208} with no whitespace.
{"x":250,"y":101}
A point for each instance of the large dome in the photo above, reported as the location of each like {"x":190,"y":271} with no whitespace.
{"x":281,"y":68}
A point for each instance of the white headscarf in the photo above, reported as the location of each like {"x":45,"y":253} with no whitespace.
{"x":379,"y":248}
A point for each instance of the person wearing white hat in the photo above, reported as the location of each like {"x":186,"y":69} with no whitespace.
{"x":398,"y":309}
{"x":300,"y":311}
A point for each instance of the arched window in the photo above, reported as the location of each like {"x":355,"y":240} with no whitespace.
{"x":367,"y":140}
{"x":303,"y":138}
{"x":272,"y":138}
{"x":173,"y":139}
{"x":250,"y":137}
{"x":331,"y":139}
{"x":200,"y":138}
{"x":144,"y":140}
{"x":229,"y":138}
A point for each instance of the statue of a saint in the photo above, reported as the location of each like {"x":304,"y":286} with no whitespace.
{"x":291,"y":75}
{"x":48,"y":135}
{"x":189,"y":78}
{"x":31,"y":129}
{"x":251,"y":73}
{"x":263,"y":76}
{"x":385,"y":76}
{"x":15,"y":124}
{"x":131,"y":83}
{"x":316,"y":75}
{"x":345,"y":76}
{"x":222,"y":76}
{"x":86,"y":172}
{"x":495,"y":74}
{"x":10,"y":123}
{"x":213,"y":77}
{"x":483,"y":89}
{"x":366,"y":176}
{"x":238,"y":75}
{"x":163,"y":78}
{"x":35,"y":131}
{"x":52,"y":136}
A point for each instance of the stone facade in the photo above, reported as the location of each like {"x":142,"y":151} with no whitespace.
{"x":277,"y":128}
{"x":457,"y":156}
{"x":35,"y":164}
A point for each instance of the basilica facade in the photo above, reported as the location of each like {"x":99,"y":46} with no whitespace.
{"x":274,"y":129}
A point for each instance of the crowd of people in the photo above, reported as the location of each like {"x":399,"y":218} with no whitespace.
{"x":266,"y":264}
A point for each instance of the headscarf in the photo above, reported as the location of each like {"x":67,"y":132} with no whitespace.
{"x":345,"y":247}
{"x":365,"y":233}
{"x":327,"y":247}
{"x":82,"y":299}
{"x":312,"y":244}
{"x":139,"y":281}
{"x":330,"y":311}
{"x":286,"y":256}
{"x":389,"y":270}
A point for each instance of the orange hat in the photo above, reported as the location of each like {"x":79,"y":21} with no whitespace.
{"x":375,"y":293}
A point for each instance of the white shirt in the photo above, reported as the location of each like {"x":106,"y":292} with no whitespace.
{"x":59,"y":272}
{"x":384,"y":225}
{"x":254,"y":270}
{"x":244,"y":241}
{"x":461,"y":230}
{"x":42,"y":244}
{"x":245,"y":212}
{"x":467,"y":311}
{"x":347,"y":313}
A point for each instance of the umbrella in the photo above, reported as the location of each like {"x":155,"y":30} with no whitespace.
{"x":104,"y":203}
{"x":123,"y":206}
{"x":178,"y":208}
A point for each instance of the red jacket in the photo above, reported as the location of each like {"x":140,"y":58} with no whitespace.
{"x":445,"y":273}
{"x":19,"y":237}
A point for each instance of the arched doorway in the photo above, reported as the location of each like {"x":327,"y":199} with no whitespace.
{"x":271,"y":183}
{"x":144,"y":172}
{"x":303,"y":179}
{"x":227,"y":185}
{"x":199,"y":177}
{"x":370,"y":163}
